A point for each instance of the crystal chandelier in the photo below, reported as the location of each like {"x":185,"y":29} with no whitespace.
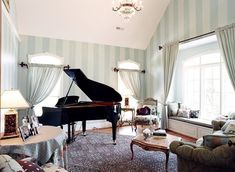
{"x":127,"y":8}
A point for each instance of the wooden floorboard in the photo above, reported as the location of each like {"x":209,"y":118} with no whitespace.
{"x":128,"y":130}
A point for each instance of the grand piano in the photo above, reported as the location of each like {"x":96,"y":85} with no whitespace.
{"x":105,"y":104}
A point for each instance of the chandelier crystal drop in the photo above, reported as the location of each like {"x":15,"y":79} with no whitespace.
{"x":127,"y":8}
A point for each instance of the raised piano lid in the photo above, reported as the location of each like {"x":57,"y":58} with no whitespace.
{"x":94,"y":90}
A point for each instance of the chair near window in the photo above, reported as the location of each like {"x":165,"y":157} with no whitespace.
{"x":146,"y":113}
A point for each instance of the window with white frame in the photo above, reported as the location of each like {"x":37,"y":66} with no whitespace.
{"x":203,"y":81}
{"x":127,"y":64}
{"x":52,"y":99}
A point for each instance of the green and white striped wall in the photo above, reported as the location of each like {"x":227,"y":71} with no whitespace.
{"x":183,"y":19}
{"x":95,"y":60}
{"x":9,"y":52}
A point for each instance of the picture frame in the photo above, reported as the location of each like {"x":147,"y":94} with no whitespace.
{"x":10,"y":125}
{"x":34,"y":124}
{"x":7,"y":4}
{"x":24,"y":132}
{"x":34,"y":121}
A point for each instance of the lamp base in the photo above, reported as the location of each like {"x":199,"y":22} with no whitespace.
{"x":10,"y":124}
{"x":10,"y":136}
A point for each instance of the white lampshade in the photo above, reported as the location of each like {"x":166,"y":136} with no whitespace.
{"x":13,"y":99}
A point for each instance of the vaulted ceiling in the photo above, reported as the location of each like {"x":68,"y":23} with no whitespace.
{"x":90,"y":21}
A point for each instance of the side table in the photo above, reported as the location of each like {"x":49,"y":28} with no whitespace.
{"x":50,"y":142}
{"x":128,"y":109}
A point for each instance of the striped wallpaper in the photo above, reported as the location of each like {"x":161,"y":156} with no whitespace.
{"x":9,"y":53}
{"x":95,"y":60}
{"x":183,"y":19}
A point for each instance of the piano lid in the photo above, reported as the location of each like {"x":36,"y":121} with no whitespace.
{"x":94,"y":90}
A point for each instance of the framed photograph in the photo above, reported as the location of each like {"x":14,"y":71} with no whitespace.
{"x":34,"y":124}
{"x":34,"y":121}
{"x":7,"y":4}
{"x":24,"y":132}
{"x":10,"y":125}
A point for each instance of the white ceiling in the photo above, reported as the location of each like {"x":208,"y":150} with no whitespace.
{"x":90,"y":21}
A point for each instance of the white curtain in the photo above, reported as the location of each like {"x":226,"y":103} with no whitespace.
{"x":170,"y":52}
{"x":226,"y":39}
{"x":41,"y":81}
{"x":131,"y":80}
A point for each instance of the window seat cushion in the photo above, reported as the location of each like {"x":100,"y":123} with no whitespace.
{"x":195,"y":121}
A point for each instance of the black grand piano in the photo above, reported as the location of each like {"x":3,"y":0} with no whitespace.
{"x":105,"y":104}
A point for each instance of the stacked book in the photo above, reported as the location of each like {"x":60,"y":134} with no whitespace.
{"x":159,"y":132}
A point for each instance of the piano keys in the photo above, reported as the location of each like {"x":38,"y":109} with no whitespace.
{"x":105,"y":104}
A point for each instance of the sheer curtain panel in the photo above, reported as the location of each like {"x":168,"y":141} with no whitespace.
{"x":41,"y":81}
{"x":132,"y":81}
{"x":170,"y":52}
{"x":226,"y":39}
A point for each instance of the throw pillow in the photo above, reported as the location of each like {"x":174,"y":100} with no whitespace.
{"x":231,"y":115}
{"x":172,"y":109}
{"x":212,"y":141}
{"x":143,"y":111}
{"x":153,"y":109}
{"x":30,"y":166}
{"x":183,"y":113}
{"x":227,"y":123}
{"x":194,"y":113}
{"x":7,"y":164}
{"x":230,"y":129}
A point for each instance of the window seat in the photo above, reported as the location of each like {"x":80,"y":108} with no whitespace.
{"x":195,"y":121}
{"x":192,"y":127}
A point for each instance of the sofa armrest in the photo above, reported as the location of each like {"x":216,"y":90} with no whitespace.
{"x":175,"y":144}
{"x":182,"y":148}
{"x":217,"y":124}
{"x":221,"y":156}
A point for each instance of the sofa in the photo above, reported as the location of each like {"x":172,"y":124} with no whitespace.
{"x":210,"y":153}
{"x":8,"y":164}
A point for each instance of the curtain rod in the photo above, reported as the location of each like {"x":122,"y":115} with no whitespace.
{"x":189,"y":39}
{"x":22,"y":64}
{"x":118,"y":69}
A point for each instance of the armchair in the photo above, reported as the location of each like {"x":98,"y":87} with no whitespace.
{"x":146,"y":112}
{"x":214,"y":154}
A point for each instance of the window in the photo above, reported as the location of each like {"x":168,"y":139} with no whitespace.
{"x":52,"y":99}
{"x":127,"y":64}
{"x":205,"y":82}
{"x":123,"y":90}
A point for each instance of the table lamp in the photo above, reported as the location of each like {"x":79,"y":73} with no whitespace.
{"x":12,"y":100}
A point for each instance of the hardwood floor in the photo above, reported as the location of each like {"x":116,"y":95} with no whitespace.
{"x":128,"y":130}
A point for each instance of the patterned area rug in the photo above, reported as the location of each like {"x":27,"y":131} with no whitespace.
{"x":95,"y":152}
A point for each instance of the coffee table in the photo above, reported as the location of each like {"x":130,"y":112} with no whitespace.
{"x":154,"y":143}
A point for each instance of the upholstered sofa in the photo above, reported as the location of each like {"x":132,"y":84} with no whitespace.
{"x":210,"y":153}
{"x":8,"y":164}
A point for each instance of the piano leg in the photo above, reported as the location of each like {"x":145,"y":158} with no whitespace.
{"x":114,"y":129}
{"x":84,"y":128}
{"x":69,"y":133}
{"x":73,"y":130}
{"x":71,"y":137}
